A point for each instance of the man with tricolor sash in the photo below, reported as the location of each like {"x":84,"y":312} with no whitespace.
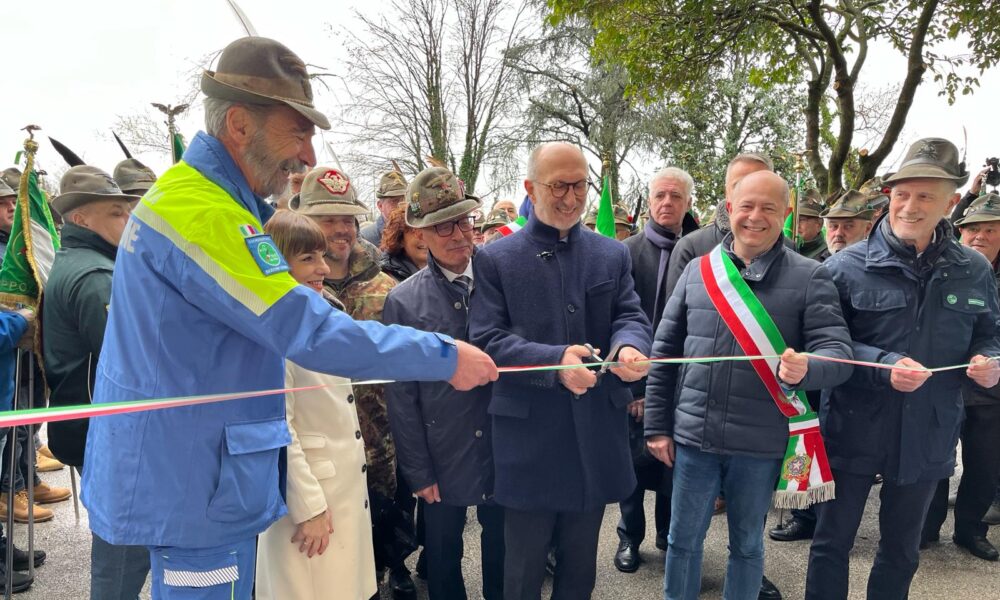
{"x":203,"y":303}
{"x":914,"y":299}
{"x":737,"y":427}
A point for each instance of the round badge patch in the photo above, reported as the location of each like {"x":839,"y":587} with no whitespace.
{"x":269,"y":254}
{"x":951,"y":298}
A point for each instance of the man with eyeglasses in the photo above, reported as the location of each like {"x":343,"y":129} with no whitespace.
{"x":556,"y":293}
{"x":443,"y":436}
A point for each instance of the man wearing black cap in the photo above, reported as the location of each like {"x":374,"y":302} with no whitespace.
{"x":913,"y":298}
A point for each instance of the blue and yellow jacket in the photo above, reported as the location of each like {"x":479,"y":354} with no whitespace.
{"x":202,"y":303}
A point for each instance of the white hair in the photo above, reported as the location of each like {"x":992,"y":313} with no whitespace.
{"x":674,"y":173}
{"x":216,"y":110}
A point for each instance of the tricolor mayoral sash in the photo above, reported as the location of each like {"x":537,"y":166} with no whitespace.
{"x":805,"y":471}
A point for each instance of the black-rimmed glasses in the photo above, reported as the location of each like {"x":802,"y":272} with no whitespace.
{"x":448,"y":228}
{"x":560,"y":188}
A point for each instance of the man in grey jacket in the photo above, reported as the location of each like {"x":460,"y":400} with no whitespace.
{"x":443,"y":437}
{"x":716,"y":423}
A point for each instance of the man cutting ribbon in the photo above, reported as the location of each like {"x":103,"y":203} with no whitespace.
{"x":735,"y":427}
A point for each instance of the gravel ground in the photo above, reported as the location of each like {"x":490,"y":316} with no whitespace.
{"x":945,"y":572}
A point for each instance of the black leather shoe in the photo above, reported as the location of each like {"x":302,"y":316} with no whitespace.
{"x":768,"y":591}
{"x":21,"y":557}
{"x":661,"y":543}
{"x":993,"y":514}
{"x":793,"y":529}
{"x":627,"y":559}
{"x":978,"y":545}
{"x":402,"y":584}
{"x":19,"y":582}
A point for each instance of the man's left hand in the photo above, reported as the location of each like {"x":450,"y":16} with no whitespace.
{"x":637,"y":408}
{"x":983,"y":371}
{"x":627,"y":371}
{"x":793,"y":367}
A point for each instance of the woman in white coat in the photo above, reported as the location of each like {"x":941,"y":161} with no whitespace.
{"x":323,"y":547}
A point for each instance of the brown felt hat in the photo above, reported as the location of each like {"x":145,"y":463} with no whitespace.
{"x":133,"y":176}
{"x":12,"y":177}
{"x":5,"y":190}
{"x":811,"y":204}
{"x":84,"y":184}
{"x":327,"y":192}
{"x":498,"y":217}
{"x":257,"y":70}
{"x":391,"y":185}
{"x":435,"y":196}
{"x":931,"y":158}
{"x":851,"y":205}
{"x":983,"y":209}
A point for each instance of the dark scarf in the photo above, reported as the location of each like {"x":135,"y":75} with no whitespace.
{"x":925,"y":262}
{"x":665,"y":240}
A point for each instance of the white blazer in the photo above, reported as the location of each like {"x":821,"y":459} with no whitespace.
{"x":326,"y":469}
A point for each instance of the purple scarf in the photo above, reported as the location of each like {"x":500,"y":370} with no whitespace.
{"x":665,"y":241}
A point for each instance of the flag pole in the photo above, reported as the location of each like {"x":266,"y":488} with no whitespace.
{"x":172,"y":112}
{"x":29,"y":481}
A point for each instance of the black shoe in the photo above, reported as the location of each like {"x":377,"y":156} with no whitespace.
{"x":421,"y":569}
{"x":19,"y":582}
{"x":978,"y":545}
{"x":661,"y":543}
{"x":402,"y":584}
{"x":550,"y":563}
{"x":993,"y":514}
{"x":627,"y":559}
{"x":793,"y":529}
{"x":927,"y":539}
{"x":768,"y":591}
{"x":21,"y":558}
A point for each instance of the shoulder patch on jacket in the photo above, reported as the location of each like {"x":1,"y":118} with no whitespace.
{"x":266,"y":254}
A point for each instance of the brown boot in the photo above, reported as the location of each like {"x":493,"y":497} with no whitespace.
{"x":44,"y":451}
{"x":21,"y":509}
{"x":45,"y":494}
{"x":44,"y":464}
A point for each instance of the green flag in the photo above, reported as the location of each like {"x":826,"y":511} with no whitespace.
{"x":32,"y":245}
{"x":176,"y":146}
{"x":606,"y":211}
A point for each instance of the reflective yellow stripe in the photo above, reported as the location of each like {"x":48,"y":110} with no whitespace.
{"x":203,"y":221}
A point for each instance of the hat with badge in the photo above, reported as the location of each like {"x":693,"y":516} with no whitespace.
{"x":134,"y":177}
{"x":258,"y":70}
{"x":435,"y":196}
{"x":83,"y":184}
{"x":12,"y":177}
{"x":390,"y":185}
{"x":931,"y":158}
{"x":811,"y":204}
{"x":498,"y":217}
{"x":621,"y":216}
{"x":6,"y":190}
{"x":851,"y":205}
{"x":327,"y":192}
{"x":876,"y":193}
{"x":984,"y":208}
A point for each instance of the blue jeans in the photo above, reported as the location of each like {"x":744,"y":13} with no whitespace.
{"x":117,"y":572}
{"x":747,"y":484}
{"x":218,"y":573}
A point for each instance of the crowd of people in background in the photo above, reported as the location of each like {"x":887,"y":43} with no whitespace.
{"x":247,"y":267}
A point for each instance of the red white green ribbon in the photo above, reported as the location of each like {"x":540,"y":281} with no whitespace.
{"x":805,"y":471}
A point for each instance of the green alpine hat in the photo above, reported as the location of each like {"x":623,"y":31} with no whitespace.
{"x":5,"y":190}
{"x":851,"y":205}
{"x":875,"y":193}
{"x":133,"y":176}
{"x":497,"y":218}
{"x":811,"y":204}
{"x":435,"y":196}
{"x":258,"y":70}
{"x":326,"y":192}
{"x":984,"y":208}
{"x":392,"y":184}
{"x":12,"y":177}
{"x":83,"y":184}
{"x":621,"y":216}
{"x":931,"y":158}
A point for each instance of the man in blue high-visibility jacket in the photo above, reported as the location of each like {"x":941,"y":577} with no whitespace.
{"x":202,"y":303}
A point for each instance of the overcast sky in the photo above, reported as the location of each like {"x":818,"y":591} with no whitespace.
{"x":71,"y":67}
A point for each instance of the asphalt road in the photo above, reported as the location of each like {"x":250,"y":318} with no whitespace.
{"x":945,"y":571}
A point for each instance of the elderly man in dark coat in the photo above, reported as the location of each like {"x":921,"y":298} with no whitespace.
{"x":442,"y":435}
{"x":560,"y":438}
{"x":913,"y":297}
{"x":669,"y":202}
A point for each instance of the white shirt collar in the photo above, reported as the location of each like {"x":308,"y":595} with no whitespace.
{"x":453,"y":276}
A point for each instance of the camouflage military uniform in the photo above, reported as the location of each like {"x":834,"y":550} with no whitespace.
{"x":363,"y":293}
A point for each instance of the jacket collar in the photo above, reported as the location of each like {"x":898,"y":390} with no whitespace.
{"x":74,"y":236}
{"x":4,"y":236}
{"x":435,"y":271}
{"x":813,"y":246}
{"x":885,"y":250}
{"x":363,"y":265}
{"x":758,"y":267}
{"x":546,"y":234}
{"x":210,"y":158}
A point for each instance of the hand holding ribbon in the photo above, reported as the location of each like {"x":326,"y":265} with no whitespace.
{"x":632,"y":365}
{"x":910,"y":379}
{"x":577,"y":380}
{"x":793,"y":367}
{"x":984,"y":371}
